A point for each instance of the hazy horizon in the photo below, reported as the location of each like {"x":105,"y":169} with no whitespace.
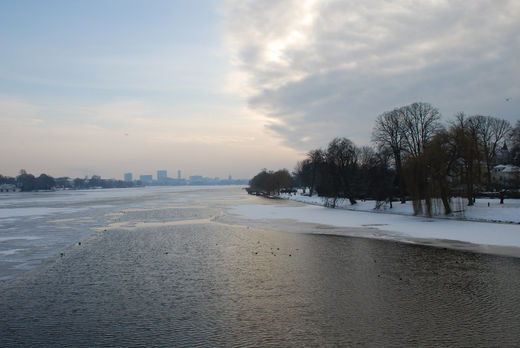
{"x":218,"y":88}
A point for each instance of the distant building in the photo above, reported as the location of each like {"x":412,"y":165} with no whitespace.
{"x":179,"y":174}
{"x":128,"y":177}
{"x":8,"y":188}
{"x":229,"y":177}
{"x":506,"y":175}
{"x":146,"y":179}
{"x":198,"y":180}
{"x":162,"y":175}
{"x":502,"y":155}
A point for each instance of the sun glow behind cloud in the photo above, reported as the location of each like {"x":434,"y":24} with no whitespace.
{"x":321,"y":69}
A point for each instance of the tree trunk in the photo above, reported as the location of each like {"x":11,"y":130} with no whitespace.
{"x":469,"y":194}
{"x":446,"y":204}
{"x":502,"y":196}
{"x":400,"y":181}
{"x":313,"y":180}
{"x":428,"y":203}
{"x":469,"y":184}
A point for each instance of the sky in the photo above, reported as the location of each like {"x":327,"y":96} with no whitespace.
{"x":229,"y":87}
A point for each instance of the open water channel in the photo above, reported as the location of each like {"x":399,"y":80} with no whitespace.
{"x":170,"y":267}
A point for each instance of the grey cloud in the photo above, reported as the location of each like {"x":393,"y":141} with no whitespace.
{"x":361,"y":58}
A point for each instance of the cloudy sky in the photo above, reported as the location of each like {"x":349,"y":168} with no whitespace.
{"x":229,"y":87}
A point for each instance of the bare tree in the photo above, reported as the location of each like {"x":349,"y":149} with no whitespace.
{"x":420,"y":122}
{"x":491,"y":133}
{"x":515,"y":148}
{"x":342,"y":162}
{"x":387,"y":134}
{"x":317,"y":158}
{"x":366,"y":154}
{"x":375,"y":178}
{"x":269,"y":182}
{"x":468,"y":153}
{"x":282,"y":180}
{"x":438,"y":159}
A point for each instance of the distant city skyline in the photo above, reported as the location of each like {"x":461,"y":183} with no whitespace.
{"x":162,"y":179}
{"x":162,"y":174}
{"x":220,"y":87}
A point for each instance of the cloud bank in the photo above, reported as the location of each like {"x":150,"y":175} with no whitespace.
{"x":320,"y":69}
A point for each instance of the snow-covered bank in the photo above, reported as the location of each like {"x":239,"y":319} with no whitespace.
{"x":484,"y":209}
{"x":390,"y":226}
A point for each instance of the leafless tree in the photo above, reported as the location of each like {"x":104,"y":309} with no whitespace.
{"x":342,"y":157}
{"x":463,"y":132}
{"x":387,"y":134}
{"x":375,"y":179}
{"x":420,"y":122}
{"x":366,"y":154}
{"x":491,"y":133}
{"x":269,"y":182}
{"x":282,"y":180}
{"x":515,"y":148}
{"x":438,"y":160}
{"x":317,"y":158}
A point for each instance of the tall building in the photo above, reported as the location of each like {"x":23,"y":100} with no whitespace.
{"x":146,"y":179}
{"x":128,"y":177}
{"x":162,"y":175}
{"x":179,"y":174}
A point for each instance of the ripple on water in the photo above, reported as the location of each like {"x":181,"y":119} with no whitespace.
{"x":211,"y":284}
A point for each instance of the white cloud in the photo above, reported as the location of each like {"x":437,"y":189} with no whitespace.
{"x":321,"y":69}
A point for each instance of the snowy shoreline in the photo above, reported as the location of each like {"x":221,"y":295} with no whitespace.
{"x":482,"y":235}
{"x":484,"y":209}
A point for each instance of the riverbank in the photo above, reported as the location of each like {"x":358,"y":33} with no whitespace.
{"x":483,"y":210}
{"x":485,"y":236}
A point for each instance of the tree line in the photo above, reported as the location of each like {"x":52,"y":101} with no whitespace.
{"x":414,"y":156}
{"x":28,"y":182}
{"x":270,"y":183}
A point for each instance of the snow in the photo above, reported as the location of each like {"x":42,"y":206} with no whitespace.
{"x":480,"y":211}
{"x":391,"y":226}
{"x":506,"y":168}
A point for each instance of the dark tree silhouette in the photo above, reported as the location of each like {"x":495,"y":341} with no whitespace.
{"x":420,"y":122}
{"x":491,"y":133}
{"x":269,"y":182}
{"x":26,"y":182}
{"x":45,"y":182}
{"x":387,"y":134}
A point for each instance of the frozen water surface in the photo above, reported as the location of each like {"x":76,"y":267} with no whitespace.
{"x":40,"y":225}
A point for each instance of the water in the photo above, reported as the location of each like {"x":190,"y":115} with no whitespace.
{"x":37,"y":225}
{"x":172,"y":269}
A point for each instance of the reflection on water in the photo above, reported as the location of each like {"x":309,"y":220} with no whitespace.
{"x":216,"y":284}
